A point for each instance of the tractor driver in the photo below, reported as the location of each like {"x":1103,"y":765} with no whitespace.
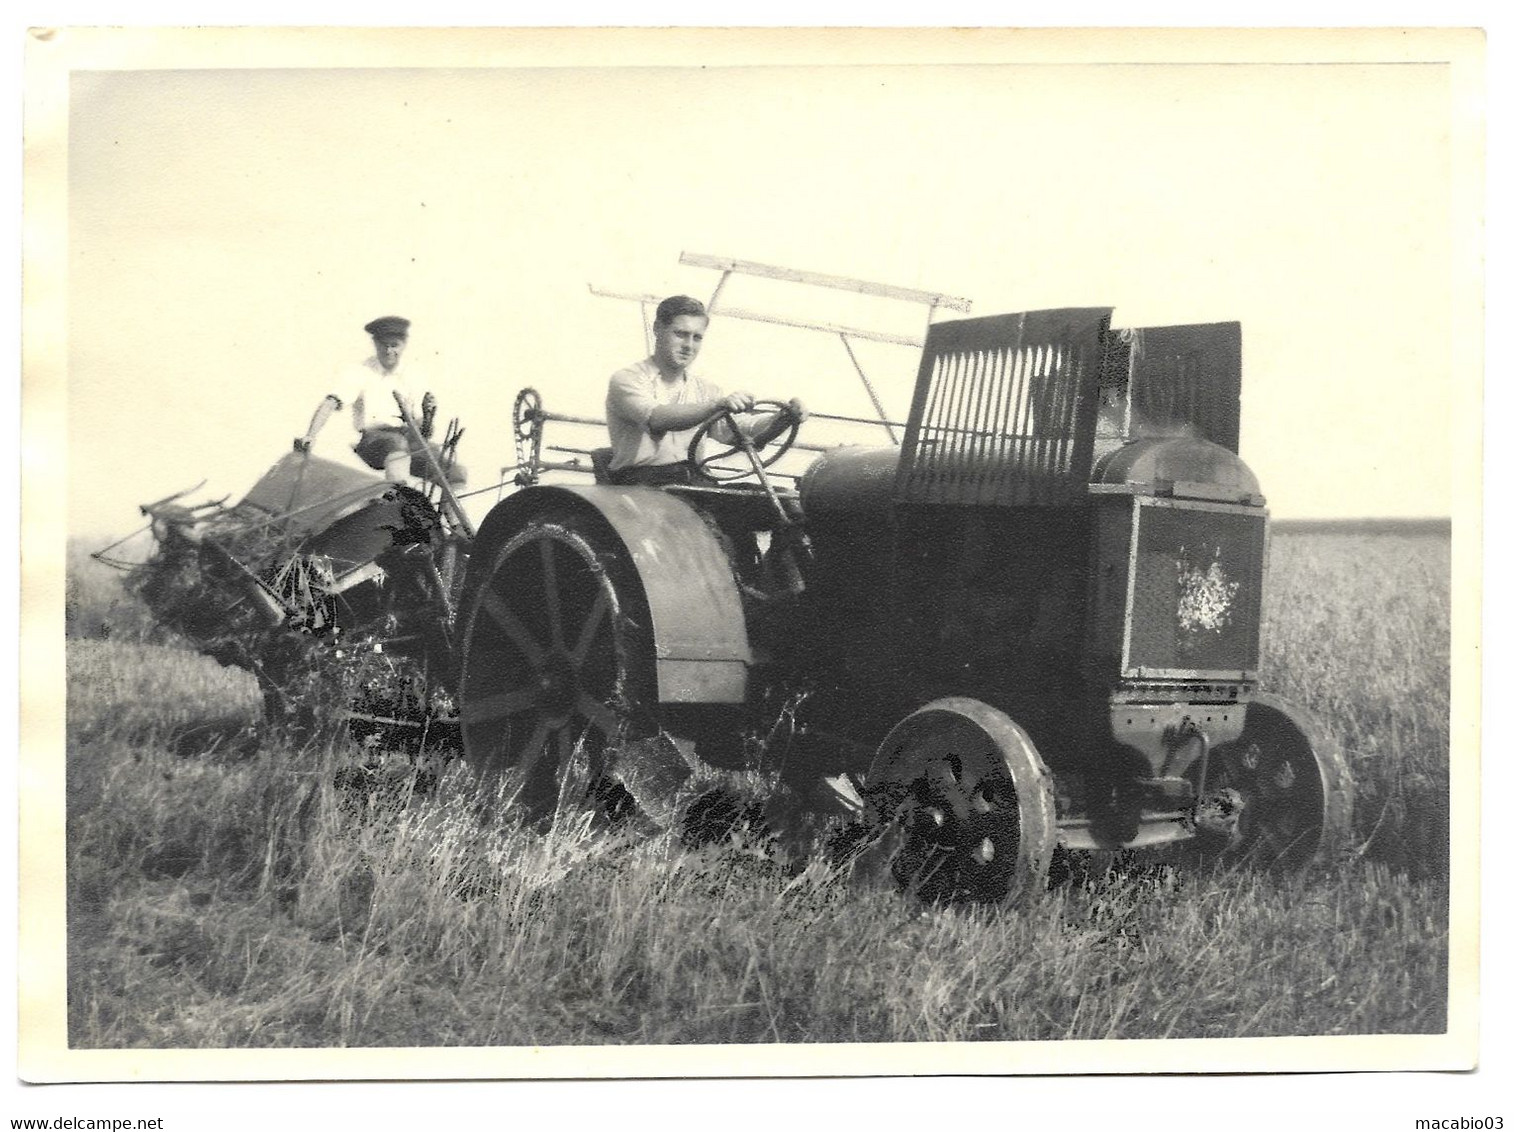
{"x":384,"y":442}
{"x":655,"y":405}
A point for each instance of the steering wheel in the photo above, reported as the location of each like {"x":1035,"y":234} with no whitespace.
{"x":784,"y":439}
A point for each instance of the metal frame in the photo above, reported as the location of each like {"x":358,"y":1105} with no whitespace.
{"x":451,"y":508}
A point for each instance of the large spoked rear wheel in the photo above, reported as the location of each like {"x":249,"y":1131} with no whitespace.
{"x":556,"y":668}
{"x":1280,"y":795}
{"x":959,"y":788}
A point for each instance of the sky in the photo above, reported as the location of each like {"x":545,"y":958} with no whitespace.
{"x":232,"y":227}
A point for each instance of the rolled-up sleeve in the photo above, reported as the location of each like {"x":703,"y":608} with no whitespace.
{"x":629,"y":399}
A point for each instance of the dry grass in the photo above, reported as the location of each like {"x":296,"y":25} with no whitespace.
{"x":1357,"y":628}
{"x":95,"y":607}
{"x":226,"y":893}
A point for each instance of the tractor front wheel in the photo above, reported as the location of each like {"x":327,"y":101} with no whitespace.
{"x":1280,"y":796}
{"x":959,"y":795}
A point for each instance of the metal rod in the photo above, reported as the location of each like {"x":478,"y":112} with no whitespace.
{"x":146,"y":508}
{"x":452,"y":506}
{"x":127,"y":538}
{"x":443,"y":585}
{"x":829,"y":327}
{"x":352,"y":494}
{"x":868,"y":385}
{"x":733,"y":468}
{"x":750,"y":451}
{"x":572,"y":451}
{"x":774,"y":320}
{"x":935,"y":430}
{"x":820,"y":279}
{"x":586,"y":469}
{"x":853,"y":420}
{"x":715,"y":295}
{"x":564,"y":418}
{"x":491,"y":487}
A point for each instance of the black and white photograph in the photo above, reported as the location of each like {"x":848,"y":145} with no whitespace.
{"x":601,"y":553}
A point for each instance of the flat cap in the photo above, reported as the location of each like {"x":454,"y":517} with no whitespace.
{"x":390,"y":326}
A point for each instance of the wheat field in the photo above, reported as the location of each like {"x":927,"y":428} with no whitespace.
{"x":227,"y":888}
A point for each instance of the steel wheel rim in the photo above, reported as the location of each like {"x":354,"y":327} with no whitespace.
{"x":545,"y":687}
{"x":949,"y":779}
{"x":1291,"y":810}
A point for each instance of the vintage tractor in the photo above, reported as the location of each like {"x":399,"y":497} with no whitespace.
{"x":1034,"y":626}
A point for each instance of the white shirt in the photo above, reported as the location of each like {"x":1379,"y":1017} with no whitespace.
{"x":634,"y":392}
{"x":369,"y":390}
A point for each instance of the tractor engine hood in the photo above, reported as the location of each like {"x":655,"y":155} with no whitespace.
{"x":849,"y":480}
{"x":860,"y":480}
{"x":1184,"y":466}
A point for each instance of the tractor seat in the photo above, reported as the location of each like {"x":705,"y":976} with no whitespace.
{"x":600,"y":459}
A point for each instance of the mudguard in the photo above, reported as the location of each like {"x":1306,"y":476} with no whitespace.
{"x":698,"y":628}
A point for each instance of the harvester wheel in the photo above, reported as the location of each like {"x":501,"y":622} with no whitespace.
{"x":557,"y":666}
{"x":1281,"y":794}
{"x":959,"y":795}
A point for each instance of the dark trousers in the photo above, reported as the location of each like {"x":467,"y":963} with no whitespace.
{"x":381,"y":442}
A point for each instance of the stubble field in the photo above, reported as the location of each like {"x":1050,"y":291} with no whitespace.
{"x":229,"y":889}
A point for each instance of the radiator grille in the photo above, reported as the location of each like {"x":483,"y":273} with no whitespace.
{"x":1004,"y":410}
{"x":1196,"y":588}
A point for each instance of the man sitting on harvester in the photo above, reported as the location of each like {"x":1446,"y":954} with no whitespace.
{"x":655,"y":406}
{"x":388,"y":442}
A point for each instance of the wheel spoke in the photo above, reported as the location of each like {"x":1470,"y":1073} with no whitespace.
{"x":550,"y":593}
{"x":946,"y":786}
{"x":534,"y":748}
{"x":517,"y":633}
{"x":500,"y":705}
{"x":590,"y":630}
{"x":600,"y":715}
